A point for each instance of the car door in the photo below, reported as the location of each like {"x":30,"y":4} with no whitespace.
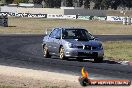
{"x":57,"y":41}
{"x":51,"y":41}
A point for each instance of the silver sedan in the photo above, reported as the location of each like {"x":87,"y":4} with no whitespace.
{"x":72,"y":43}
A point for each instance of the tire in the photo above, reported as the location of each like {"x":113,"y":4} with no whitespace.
{"x":62,"y":54}
{"x":84,"y":82}
{"x":46,"y":52}
{"x":98,"y":60}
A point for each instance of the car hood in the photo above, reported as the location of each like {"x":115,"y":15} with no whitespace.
{"x":80,"y":43}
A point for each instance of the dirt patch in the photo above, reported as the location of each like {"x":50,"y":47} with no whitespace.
{"x":28,"y":78}
{"x":22,"y":77}
{"x":26,"y":82}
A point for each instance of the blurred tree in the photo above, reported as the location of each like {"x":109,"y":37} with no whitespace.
{"x":115,"y":3}
{"x":57,"y":3}
{"x":86,"y":4}
{"x":69,"y":3}
{"x":20,"y":1}
{"x":37,"y":1}
{"x":99,"y":4}
{"x":127,"y":3}
{"x":7,"y":1}
{"x":104,"y":4}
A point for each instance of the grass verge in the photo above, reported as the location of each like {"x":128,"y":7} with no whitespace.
{"x":38,"y":26}
{"x":2,"y":86}
{"x":118,"y":50}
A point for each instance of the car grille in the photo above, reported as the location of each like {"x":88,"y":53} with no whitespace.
{"x":80,"y":47}
{"x":87,"y":47}
{"x":94,"y":54}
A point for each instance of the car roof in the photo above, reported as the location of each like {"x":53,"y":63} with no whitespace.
{"x":69,"y":28}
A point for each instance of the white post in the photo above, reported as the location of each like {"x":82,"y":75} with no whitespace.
{"x":128,"y":20}
{"x":46,"y":32}
{"x":124,"y":20}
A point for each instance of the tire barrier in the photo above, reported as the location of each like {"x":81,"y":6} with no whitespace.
{"x":4,"y":21}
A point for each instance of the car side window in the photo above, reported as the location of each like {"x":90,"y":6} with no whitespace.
{"x":58,"y":35}
{"x":53,"y":33}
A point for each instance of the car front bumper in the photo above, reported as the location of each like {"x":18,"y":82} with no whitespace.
{"x":75,"y":53}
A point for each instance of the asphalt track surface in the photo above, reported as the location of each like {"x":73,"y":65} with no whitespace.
{"x":25,"y":51}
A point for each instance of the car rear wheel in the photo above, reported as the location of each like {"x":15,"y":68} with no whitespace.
{"x":98,"y":60}
{"x":62,"y":54}
{"x":46,"y":52}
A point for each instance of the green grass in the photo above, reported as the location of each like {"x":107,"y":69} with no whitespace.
{"x":119,"y":50}
{"x":38,"y":26}
{"x":1,"y":86}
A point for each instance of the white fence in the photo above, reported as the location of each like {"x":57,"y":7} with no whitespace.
{"x":23,"y":15}
{"x":125,"y":20}
{"x":115,"y":18}
{"x":57,"y":16}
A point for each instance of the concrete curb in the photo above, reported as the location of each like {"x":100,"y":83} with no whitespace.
{"x":126,"y":63}
{"x":123,"y":62}
{"x":130,"y":63}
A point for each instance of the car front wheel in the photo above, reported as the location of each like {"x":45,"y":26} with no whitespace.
{"x":62,"y":54}
{"x":46,"y":52}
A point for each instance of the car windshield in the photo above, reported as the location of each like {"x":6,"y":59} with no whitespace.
{"x":80,"y":34}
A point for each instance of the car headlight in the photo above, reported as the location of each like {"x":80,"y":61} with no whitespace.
{"x":72,"y":45}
